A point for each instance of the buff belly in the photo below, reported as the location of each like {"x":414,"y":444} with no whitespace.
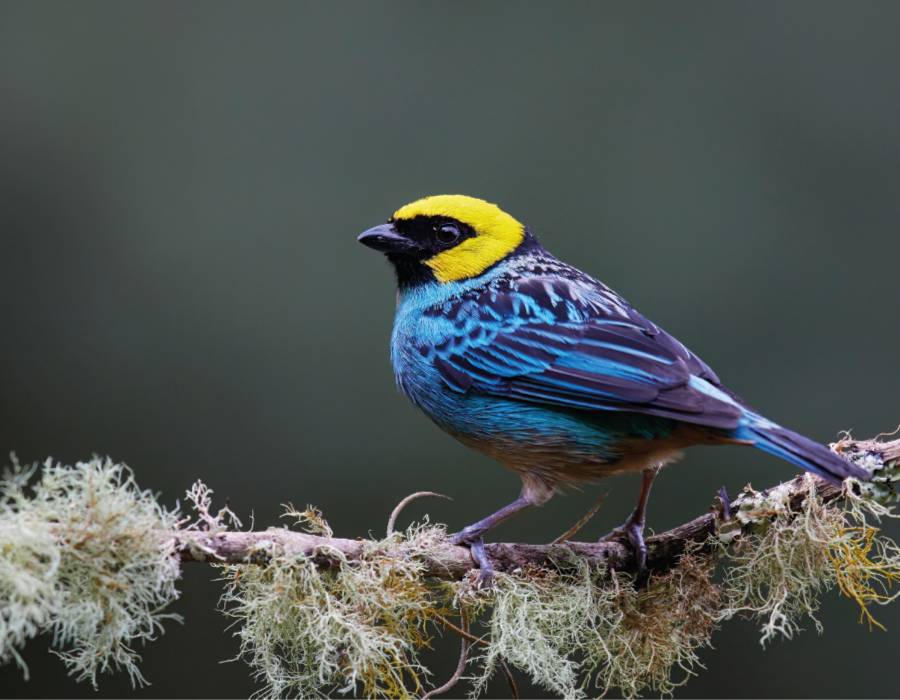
{"x":550,"y":448}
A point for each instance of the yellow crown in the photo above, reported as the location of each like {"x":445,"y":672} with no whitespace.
{"x":498,"y":234}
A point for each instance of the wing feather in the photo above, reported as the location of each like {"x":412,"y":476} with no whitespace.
{"x":552,"y":342}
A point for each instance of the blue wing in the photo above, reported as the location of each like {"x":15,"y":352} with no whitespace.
{"x":555,"y":342}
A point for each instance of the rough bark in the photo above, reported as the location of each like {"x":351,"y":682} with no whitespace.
{"x":453,"y":562}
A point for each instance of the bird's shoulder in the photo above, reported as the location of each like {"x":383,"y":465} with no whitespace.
{"x":529,"y":288}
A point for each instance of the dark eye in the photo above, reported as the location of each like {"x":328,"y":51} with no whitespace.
{"x":448,"y":233}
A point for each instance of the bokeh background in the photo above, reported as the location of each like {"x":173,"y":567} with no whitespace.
{"x":182,"y":184}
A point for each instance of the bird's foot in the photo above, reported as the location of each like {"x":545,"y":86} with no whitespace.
{"x":633,"y":531}
{"x":473,"y":538}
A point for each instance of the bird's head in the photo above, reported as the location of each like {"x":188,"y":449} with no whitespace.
{"x":447,"y":238}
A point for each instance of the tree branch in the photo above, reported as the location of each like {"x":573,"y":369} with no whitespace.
{"x":453,"y":562}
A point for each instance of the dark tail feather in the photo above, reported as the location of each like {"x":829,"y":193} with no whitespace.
{"x":801,"y":451}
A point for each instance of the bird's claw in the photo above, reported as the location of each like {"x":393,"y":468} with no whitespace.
{"x":467,"y":535}
{"x":473,"y":538}
{"x":633,"y":531}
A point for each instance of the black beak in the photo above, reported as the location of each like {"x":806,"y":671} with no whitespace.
{"x":385,"y":239}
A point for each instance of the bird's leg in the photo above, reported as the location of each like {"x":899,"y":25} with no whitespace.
{"x":633,"y":529}
{"x":473,"y":537}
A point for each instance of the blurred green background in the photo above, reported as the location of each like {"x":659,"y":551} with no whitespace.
{"x":182,"y":184}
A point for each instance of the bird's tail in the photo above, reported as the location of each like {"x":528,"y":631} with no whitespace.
{"x":798,"y":450}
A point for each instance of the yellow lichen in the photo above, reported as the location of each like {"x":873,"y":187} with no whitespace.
{"x":866,"y":563}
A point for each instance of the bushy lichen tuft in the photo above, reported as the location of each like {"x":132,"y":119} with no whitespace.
{"x":81,"y":557}
{"x":571,"y":631}
{"x":781,"y":564}
{"x":306,"y":630}
{"x":784,"y":558}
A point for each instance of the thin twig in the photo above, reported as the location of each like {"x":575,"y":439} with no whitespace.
{"x":880,"y":435}
{"x":481,"y":642}
{"x":465,"y":635}
{"x":509,"y":677}
{"x":402,"y":504}
{"x":462,"y":658}
{"x":581,"y":523}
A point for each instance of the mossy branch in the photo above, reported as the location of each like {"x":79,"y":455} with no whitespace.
{"x":90,"y":558}
{"x":446,"y":561}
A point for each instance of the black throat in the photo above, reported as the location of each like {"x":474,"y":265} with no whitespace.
{"x":410,"y":273}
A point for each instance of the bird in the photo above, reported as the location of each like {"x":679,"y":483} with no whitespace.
{"x":543,"y":368}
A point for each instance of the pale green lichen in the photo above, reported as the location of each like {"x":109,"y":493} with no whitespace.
{"x":305,"y":631}
{"x":779,"y":567}
{"x":584,"y":628}
{"x":81,"y":557}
